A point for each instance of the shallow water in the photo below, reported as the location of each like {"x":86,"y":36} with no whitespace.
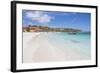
{"x":79,"y":42}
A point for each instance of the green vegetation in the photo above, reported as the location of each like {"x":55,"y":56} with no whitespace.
{"x":28,"y":29}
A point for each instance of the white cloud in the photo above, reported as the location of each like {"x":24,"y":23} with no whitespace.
{"x":39,"y":16}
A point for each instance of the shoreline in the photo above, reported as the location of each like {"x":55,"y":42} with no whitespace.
{"x":37,"y":48}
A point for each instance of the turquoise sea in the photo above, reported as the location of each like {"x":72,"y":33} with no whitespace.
{"x":79,"y":42}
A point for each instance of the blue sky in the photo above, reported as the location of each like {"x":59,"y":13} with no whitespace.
{"x":57,"y":19}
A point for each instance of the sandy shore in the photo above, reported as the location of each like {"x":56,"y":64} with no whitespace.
{"x":37,"y":48}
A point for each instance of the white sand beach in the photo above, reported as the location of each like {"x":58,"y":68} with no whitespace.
{"x":37,"y":48}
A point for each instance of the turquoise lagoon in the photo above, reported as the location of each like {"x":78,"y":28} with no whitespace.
{"x":79,"y":43}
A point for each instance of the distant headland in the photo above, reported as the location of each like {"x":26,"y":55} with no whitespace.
{"x":34,"y":28}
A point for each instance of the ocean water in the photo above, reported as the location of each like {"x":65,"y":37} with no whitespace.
{"x":80,"y":42}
